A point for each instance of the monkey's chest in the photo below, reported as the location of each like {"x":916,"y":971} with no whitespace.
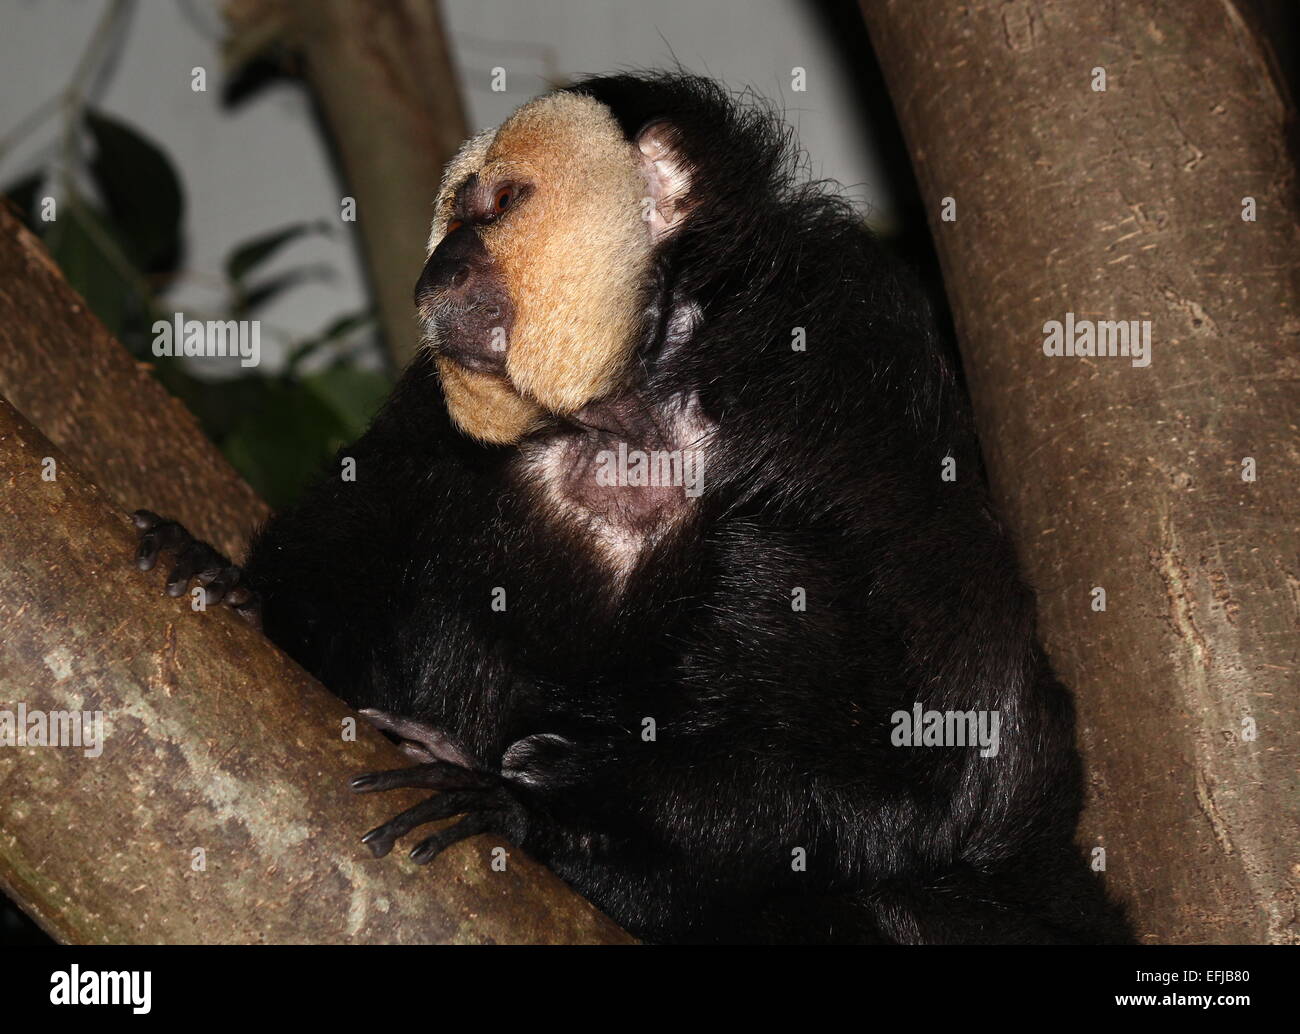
{"x":621,"y":482}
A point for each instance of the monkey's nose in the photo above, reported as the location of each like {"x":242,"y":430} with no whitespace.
{"x":439,"y":277}
{"x":451,"y":266}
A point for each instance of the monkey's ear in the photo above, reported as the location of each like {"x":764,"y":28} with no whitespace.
{"x":667,"y":175}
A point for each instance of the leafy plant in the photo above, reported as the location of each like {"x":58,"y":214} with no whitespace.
{"x":119,"y":236}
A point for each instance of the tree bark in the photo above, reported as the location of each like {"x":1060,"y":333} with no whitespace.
{"x":65,"y":373}
{"x":382,"y":74}
{"x":215,"y":740}
{"x":1127,"y":205}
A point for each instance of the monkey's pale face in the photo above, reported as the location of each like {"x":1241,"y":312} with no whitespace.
{"x":540,"y":262}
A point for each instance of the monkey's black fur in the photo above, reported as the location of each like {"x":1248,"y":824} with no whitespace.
{"x":772,"y":724}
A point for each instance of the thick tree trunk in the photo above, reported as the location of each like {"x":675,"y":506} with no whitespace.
{"x":381,"y":72}
{"x":214,"y":740}
{"x":1127,"y":205}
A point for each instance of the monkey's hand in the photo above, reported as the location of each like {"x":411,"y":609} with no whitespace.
{"x":221,"y":580}
{"x":491,"y":802}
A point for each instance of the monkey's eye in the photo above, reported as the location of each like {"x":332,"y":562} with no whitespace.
{"x":453,"y":226}
{"x":502,"y":200}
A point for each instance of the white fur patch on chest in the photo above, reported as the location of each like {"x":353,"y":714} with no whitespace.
{"x":626,"y":478}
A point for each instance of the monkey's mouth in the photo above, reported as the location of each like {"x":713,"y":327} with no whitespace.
{"x":474,"y":336}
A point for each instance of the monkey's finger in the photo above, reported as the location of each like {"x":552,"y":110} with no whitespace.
{"x":420,"y":755}
{"x":146,"y":553}
{"x":241,"y":597}
{"x":436,"y":743}
{"x":192,"y":559}
{"x":471,"y":825}
{"x":219,"y":583}
{"x":407,"y":728}
{"x":198,"y":560}
{"x":144,"y":520}
{"x":380,"y":840}
{"x":161,"y":535}
{"x":436,"y":775}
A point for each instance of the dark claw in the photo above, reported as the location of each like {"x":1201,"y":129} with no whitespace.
{"x":145,"y":520}
{"x":156,"y":535}
{"x":218,"y":583}
{"x":486,"y":803}
{"x":483,"y":797}
{"x":470,"y":826}
{"x":147,"y":553}
{"x":380,"y":840}
{"x":195,"y":561}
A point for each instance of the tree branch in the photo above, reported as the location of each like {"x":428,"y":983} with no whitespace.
{"x":214,"y":740}
{"x":1127,"y":205}
{"x":383,"y":77}
{"x":65,"y":373}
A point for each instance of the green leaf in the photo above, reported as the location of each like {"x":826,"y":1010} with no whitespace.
{"x":247,"y":257}
{"x":83,"y":245}
{"x":280,"y":445}
{"x":355,"y":395}
{"x":219,"y":405}
{"x":141,"y":192}
{"x":340,"y":328}
{"x":256,"y":297}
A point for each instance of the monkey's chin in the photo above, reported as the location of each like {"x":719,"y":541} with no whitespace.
{"x":486,"y":406}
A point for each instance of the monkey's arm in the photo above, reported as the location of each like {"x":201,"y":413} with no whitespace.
{"x":706,"y":839}
{"x":308,"y":576}
{"x":323,"y":573}
{"x":676,"y":839}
